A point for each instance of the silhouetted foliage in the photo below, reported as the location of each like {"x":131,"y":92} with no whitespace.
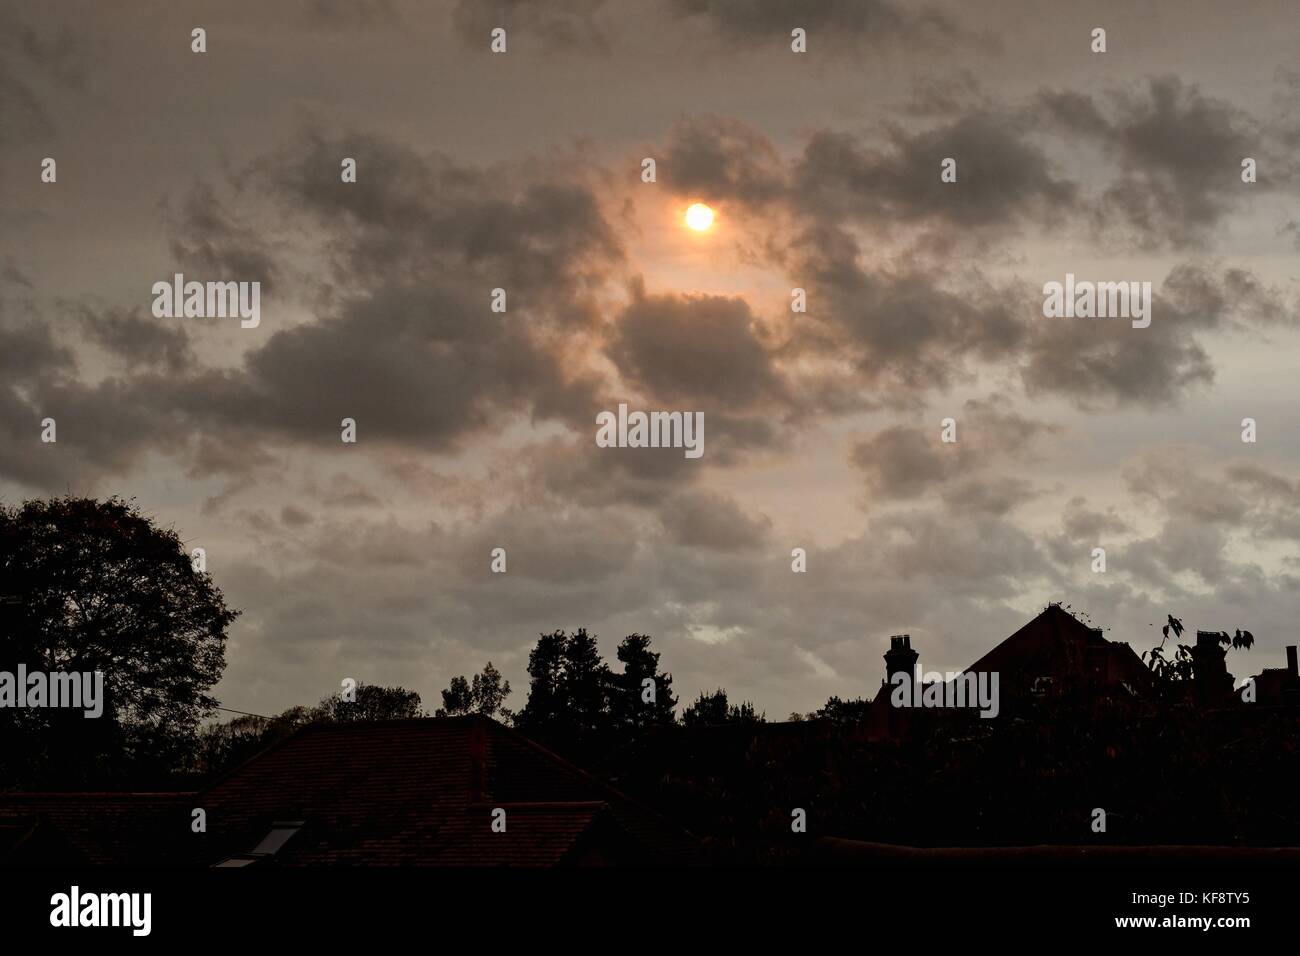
{"x":843,"y":712}
{"x":578,"y":705}
{"x":629,"y":709}
{"x":371,"y":702}
{"x":1182,"y":666}
{"x":544,"y":709}
{"x":226,"y":745}
{"x":486,"y":695}
{"x":568,"y":703}
{"x":1204,"y":777}
{"x":86,"y":586}
{"x":713,"y":709}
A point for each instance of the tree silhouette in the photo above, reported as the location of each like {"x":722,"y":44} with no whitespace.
{"x":543,"y":710}
{"x":584,"y":685}
{"x":88,"y":586}
{"x":1182,"y":666}
{"x":371,"y":702}
{"x":486,"y":695}
{"x":628,"y":706}
{"x":223,"y":746}
{"x":714,"y":709}
{"x":844,"y":712}
{"x":568,"y":695}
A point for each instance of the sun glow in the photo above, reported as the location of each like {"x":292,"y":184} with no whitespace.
{"x":699,"y":217}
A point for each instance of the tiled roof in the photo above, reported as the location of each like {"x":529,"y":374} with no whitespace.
{"x":97,"y":828}
{"x":409,"y":792}
{"x":1056,"y":643}
{"x":421,"y":792}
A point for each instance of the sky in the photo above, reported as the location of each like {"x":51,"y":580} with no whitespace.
{"x":523,"y":170}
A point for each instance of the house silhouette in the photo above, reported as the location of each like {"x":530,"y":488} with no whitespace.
{"x":421,"y":792}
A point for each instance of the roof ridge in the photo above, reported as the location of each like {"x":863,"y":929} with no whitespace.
{"x":97,"y":794}
{"x":541,"y":804}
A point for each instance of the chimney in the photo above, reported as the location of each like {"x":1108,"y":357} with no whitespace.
{"x":900,"y":657}
{"x":1291,"y":682}
{"x":1213,"y":683}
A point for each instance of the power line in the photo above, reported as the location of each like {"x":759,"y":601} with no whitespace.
{"x":245,"y":713}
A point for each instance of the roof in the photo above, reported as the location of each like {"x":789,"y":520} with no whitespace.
{"x":1058,"y":644}
{"x":93,"y":828}
{"x":405,"y":792}
{"x":1055,"y":645}
{"x":423,"y":792}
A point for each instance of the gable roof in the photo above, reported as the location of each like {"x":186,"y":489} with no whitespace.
{"x":61,"y":829}
{"x":422,"y":792}
{"x":1057,"y":644}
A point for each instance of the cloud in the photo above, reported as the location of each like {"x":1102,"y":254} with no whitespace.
{"x":907,"y":462}
{"x":568,"y":25}
{"x":719,"y":159}
{"x":402,"y":339}
{"x":710,"y":520}
{"x":207,"y":241}
{"x":30,"y":59}
{"x":1085,"y":524}
{"x":346,"y":14}
{"x":295,"y":517}
{"x":910,"y":328}
{"x":136,"y":340}
{"x":695,"y":351}
{"x":837,"y":25}
{"x":1177,"y":151}
{"x":1106,"y":362}
{"x":1002,"y":177}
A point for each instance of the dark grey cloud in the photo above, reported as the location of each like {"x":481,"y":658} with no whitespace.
{"x":1178,"y":154}
{"x":209,"y":242}
{"x":1081,"y":523}
{"x":714,"y":521}
{"x":946,"y":95}
{"x":892,"y":179}
{"x":1002,"y":176}
{"x":910,"y":331}
{"x":907,"y":462}
{"x":295,"y":517}
{"x":905,"y":333}
{"x":403,"y":339}
{"x":29,"y":350}
{"x":571,"y":24}
{"x":994,"y":495}
{"x":1104,"y":363}
{"x":903,"y":462}
{"x":25,"y":117}
{"x":576,"y":470}
{"x":718,"y":158}
{"x":1243,"y":494}
{"x":696,"y":351}
{"x":835,"y":25}
{"x":535,"y":228}
{"x":416,"y":364}
{"x":1197,"y":296}
{"x":33,"y":61}
{"x":136,"y":339}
